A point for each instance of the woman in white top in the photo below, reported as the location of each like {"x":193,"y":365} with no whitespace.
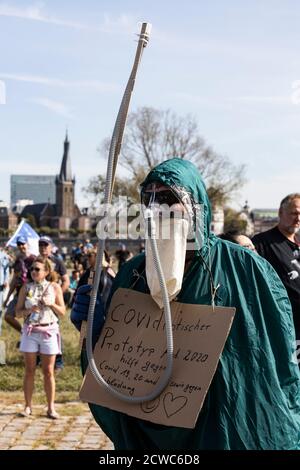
{"x":40,"y":303}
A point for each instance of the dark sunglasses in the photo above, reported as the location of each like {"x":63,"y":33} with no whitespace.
{"x":43,"y":244}
{"x":35,"y":269}
{"x":162,"y":197}
{"x":21,"y":244}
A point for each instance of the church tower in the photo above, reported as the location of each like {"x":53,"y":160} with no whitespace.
{"x":65,"y":186}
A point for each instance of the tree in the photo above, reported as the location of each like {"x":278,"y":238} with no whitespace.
{"x":122,"y":187}
{"x":233,"y":222}
{"x":153,"y":136}
{"x":45,"y":230}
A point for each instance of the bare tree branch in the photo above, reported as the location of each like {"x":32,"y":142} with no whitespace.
{"x":154,"y":135}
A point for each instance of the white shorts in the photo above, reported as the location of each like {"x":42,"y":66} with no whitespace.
{"x":39,"y":342}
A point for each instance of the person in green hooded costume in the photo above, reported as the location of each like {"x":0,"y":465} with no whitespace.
{"x":254,"y":399}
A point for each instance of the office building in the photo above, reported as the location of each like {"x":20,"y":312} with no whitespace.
{"x":38,"y":188}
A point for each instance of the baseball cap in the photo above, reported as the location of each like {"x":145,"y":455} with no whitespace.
{"x":45,"y":239}
{"x":21,"y":240}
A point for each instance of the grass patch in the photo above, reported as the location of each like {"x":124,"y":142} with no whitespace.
{"x":75,"y":410}
{"x":68,"y":381}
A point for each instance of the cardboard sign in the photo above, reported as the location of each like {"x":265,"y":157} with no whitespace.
{"x":131,"y":356}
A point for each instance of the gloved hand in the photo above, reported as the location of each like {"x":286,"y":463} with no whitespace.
{"x":80,"y":307}
{"x":80,"y":310}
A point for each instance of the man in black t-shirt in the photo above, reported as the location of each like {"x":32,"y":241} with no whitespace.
{"x":45,"y":248}
{"x":281,"y":248}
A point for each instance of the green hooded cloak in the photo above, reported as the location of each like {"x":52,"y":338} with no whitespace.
{"x":254,"y":399}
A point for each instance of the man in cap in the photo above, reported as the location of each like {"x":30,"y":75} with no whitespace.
{"x":21,"y":275}
{"x":253,"y":401}
{"x":46,"y":251}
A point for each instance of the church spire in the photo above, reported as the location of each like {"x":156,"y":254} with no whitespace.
{"x":65,"y":173}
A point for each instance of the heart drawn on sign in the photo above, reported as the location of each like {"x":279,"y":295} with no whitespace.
{"x":173,"y":405}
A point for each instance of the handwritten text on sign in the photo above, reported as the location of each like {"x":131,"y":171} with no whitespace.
{"x":131,"y":356}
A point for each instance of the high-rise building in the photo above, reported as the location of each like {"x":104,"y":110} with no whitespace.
{"x":39,"y":188}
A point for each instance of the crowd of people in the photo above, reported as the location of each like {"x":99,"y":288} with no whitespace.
{"x":34,"y":294}
{"x":254,"y":399}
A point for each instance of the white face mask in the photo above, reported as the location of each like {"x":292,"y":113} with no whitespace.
{"x":172,"y":251}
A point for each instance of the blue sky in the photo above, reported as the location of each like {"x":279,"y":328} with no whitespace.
{"x":231,"y":64}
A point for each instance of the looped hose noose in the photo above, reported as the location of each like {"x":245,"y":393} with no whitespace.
{"x":114,"y":152}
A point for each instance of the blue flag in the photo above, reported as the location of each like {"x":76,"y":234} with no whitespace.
{"x":32,"y":238}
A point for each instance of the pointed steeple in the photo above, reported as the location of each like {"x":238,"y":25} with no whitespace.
{"x":65,"y":185}
{"x":65,"y":173}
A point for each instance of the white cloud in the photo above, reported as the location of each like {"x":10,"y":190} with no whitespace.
{"x":93,"y":85}
{"x":55,"y":106}
{"x":122,"y":24}
{"x":35,"y":13}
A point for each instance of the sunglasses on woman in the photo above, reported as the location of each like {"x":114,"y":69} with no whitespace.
{"x":37,"y":270}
